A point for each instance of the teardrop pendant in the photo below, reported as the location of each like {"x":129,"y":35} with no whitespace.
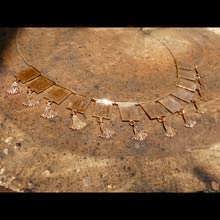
{"x":169,"y":131}
{"x":30,"y":100}
{"x":14,"y":89}
{"x":187,"y":123}
{"x":106,"y":133}
{"x":139,"y":135}
{"x":49,"y":113}
{"x":77,"y":124}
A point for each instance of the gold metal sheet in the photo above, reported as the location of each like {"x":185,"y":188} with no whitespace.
{"x":102,"y":111}
{"x":128,"y":112}
{"x":187,"y":68}
{"x":40,"y":84}
{"x":171,"y":103}
{"x":184,"y":94}
{"x":78,"y":103}
{"x":187,"y":84}
{"x":27,"y":75}
{"x":154,"y":110}
{"x":57,"y":94}
{"x":191,"y":75}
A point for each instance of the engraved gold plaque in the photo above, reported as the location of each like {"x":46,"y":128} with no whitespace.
{"x":154,"y":110}
{"x":57,"y":94}
{"x":184,"y":95}
{"x":27,"y":75}
{"x":171,"y":103}
{"x":78,"y":103}
{"x":40,"y":84}
{"x":128,"y":112}
{"x":187,"y":84}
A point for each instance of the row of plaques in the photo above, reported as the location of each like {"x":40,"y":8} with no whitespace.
{"x":187,"y":86}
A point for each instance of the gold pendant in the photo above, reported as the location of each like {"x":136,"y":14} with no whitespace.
{"x":77,"y":124}
{"x":169,"y":131}
{"x":106,"y":133}
{"x":187,"y":123}
{"x":139,"y":135}
{"x":49,"y":113}
{"x":14,"y":89}
{"x":30,"y":100}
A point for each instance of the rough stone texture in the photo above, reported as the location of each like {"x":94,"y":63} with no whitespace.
{"x":120,"y":64}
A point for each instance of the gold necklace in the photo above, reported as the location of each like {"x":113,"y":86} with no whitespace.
{"x":188,"y":85}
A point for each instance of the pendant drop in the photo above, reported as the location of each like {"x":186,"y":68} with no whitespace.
{"x":49,"y":113}
{"x":30,"y":100}
{"x":14,"y":89}
{"x":139,"y":135}
{"x":106,"y":133}
{"x":169,"y":131}
{"x":187,"y":123}
{"x":77,"y":124}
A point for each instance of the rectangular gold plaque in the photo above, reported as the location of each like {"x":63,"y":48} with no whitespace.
{"x":78,"y":103}
{"x":154,"y":110}
{"x":191,"y":75}
{"x":57,"y":94}
{"x":128,"y":112}
{"x":27,"y":75}
{"x":187,"y":84}
{"x":186,"y":68}
{"x":183,"y":94}
{"x":171,"y":103}
{"x":40,"y":84}
{"x":101,"y":110}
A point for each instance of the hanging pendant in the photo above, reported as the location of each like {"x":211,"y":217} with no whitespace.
{"x":102,"y":109}
{"x":106,"y":133}
{"x":77,"y":104}
{"x":77,"y":124}
{"x":187,"y":123}
{"x":139,"y":135}
{"x":129,"y":113}
{"x":30,"y":100}
{"x":49,"y":113}
{"x":169,"y":131}
{"x":14,"y":89}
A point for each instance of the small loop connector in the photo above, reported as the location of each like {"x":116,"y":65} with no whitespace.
{"x":14,"y":89}
{"x":30,"y":100}
{"x":77,"y":124}
{"x":187,"y":123}
{"x":49,"y":113}
{"x":105,"y":132}
{"x":169,"y":131}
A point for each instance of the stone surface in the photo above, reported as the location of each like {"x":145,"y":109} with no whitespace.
{"x":118,"y":64}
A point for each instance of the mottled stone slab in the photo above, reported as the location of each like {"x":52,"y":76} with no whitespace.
{"x":40,"y":84}
{"x":27,"y":75}
{"x":154,"y":110}
{"x":171,"y":103}
{"x":78,"y":103}
{"x":183,"y":94}
{"x":187,"y":84}
{"x":128,"y":112}
{"x":57,"y":94}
